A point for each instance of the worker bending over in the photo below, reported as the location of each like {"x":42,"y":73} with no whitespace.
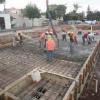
{"x":84,"y":37}
{"x":50,"y":46}
{"x":44,"y":37}
{"x":18,"y":39}
{"x":73,"y":41}
{"x":90,"y":37}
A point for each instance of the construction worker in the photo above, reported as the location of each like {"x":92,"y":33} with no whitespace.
{"x":84,"y":37}
{"x":18,"y":39}
{"x":50,"y":46}
{"x":63,"y":35}
{"x":72,"y":42}
{"x":48,"y":33}
{"x":74,"y":37}
{"x":42,"y":39}
{"x":90,"y":37}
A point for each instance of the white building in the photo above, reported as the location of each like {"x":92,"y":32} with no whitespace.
{"x":25,"y":22}
{"x":5,"y":21}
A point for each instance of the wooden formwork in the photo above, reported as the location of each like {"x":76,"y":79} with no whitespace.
{"x":72,"y":92}
{"x":6,"y":40}
{"x":76,"y":88}
{"x":53,"y":87}
{"x":16,"y":63}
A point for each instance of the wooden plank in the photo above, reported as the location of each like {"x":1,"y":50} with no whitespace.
{"x":9,"y":95}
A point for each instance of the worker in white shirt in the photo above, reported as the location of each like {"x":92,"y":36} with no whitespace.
{"x":90,"y":37}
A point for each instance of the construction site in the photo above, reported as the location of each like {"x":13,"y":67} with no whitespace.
{"x":64,"y":78}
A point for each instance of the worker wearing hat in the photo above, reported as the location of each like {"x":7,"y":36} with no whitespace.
{"x":48,"y":34}
{"x":50,"y":46}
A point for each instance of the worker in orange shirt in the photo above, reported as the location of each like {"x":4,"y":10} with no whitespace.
{"x":74,"y":37}
{"x":48,"y":33}
{"x":50,"y":46}
{"x":72,"y":42}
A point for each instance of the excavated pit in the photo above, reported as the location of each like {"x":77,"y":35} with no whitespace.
{"x":51,"y":87}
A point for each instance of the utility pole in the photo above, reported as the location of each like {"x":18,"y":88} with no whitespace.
{"x":49,"y":16}
{"x":50,"y":20}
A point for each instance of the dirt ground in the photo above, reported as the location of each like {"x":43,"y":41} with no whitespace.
{"x":89,"y":94}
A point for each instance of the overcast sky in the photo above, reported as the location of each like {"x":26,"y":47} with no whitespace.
{"x":94,"y":4}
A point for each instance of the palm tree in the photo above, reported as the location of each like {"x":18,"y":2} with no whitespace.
{"x":3,"y":2}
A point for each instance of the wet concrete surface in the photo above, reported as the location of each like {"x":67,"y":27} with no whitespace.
{"x":81,"y":52}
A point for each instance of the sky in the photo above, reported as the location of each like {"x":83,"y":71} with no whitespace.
{"x":94,"y":4}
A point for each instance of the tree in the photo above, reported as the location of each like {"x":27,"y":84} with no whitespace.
{"x":89,"y":13}
{"x":74,"y":15}
{"x":93,"y":15}
{"x":31,"y":11}
{"x":52,"y":14}
{"x":56,"y":11}
{"x":53,"y":7}
{"x":2,"y":1}
{"x":88,"y":9}
{"x":52,"y":11}
{"x":71,"y":16}
{"x":60,"y":10}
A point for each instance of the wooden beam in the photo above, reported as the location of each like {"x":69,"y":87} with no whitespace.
{"x":9,"y":95}
{"x":70,"y":78}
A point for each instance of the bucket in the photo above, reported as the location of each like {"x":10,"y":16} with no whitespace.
{"x":36,"y":76}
